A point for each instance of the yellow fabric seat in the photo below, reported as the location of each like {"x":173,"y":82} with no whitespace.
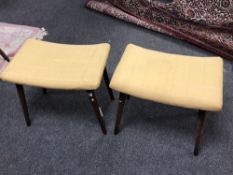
{"x":184,"y":81}
{"x":58,"y":66}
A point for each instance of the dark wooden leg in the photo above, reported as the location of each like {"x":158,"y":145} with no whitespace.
{"x":121,"y":104}
{"x":22,"y":98}
{"x":98,"y":111}
{"x":44,"y":91}
{"x":107,"y":82}
{"x":128,"y":97}
{"x":200,"y":129}
{"x":5,"y":57}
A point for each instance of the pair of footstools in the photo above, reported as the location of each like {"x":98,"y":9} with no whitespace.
{"x":184,"y":81}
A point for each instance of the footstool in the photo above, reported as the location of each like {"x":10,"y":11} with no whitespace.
{"x":183,"y":81}
{"x":59,"y":66}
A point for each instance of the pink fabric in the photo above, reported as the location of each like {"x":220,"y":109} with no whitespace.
{"x":13,"y":36}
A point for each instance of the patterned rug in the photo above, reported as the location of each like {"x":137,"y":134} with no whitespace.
{"x":13,"y":36}
{"x":207,"y":24}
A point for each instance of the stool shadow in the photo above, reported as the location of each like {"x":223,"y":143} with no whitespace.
{"x":145,"y":114}
{"x":64,"y":105}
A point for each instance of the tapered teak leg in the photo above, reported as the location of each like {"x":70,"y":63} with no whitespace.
{"x":98,"y":111}
{"x":200,"y":129}
{"x":121,"y":104}
{"x":23,"y":102}
{"x":107,"y":82}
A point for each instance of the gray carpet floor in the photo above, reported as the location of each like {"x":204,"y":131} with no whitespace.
{"x":65,"y":137}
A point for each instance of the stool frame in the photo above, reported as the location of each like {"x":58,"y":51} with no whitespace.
{"x":200,"y":123}
{"x":91,"y":94}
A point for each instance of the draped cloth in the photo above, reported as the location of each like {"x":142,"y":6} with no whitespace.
{"x":12,"y":37}
{"x":205,"y":23}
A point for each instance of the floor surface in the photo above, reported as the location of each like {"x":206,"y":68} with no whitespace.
{"x":65,"y":137}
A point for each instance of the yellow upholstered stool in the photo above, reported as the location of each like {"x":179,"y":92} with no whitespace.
{"x":183,"y":81}
{"x":59,"y":66}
